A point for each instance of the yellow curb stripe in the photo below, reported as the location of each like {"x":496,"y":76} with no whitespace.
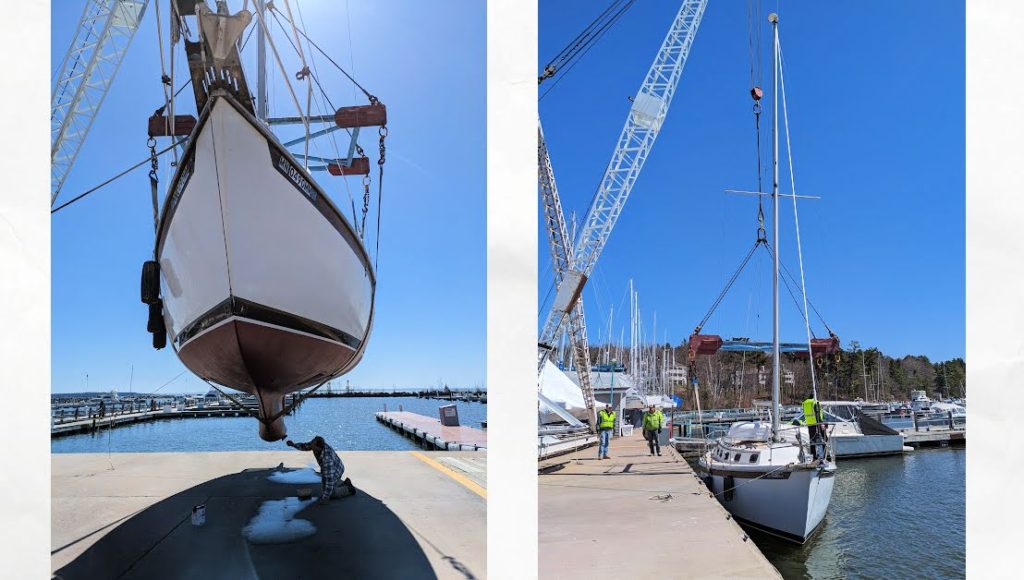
{"x":465,"y":481}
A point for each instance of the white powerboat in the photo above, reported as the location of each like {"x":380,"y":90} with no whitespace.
{"x":855,"y":434}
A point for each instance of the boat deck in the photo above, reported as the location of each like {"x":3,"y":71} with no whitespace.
{"x":637,"y":516}
{"x":127,"y":515}
{"x":431,"y":433}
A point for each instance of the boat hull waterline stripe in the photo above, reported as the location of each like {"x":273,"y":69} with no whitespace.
{"x":241,"y":308}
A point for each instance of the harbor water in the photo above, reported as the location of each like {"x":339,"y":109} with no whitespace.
{"x":890,"y":517}
{"x":347,"y":423}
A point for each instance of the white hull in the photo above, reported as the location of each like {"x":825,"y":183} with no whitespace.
{"x":265,"y":287}
{"x":791,"y":508}
{"x":769,"y":486}
{"x":857,"y":445}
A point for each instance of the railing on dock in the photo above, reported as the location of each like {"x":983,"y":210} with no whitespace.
{"x":84,"y":416}
{"x":919,"y":428}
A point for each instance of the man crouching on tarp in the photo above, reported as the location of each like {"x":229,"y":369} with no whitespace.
{"x":331,"y":468}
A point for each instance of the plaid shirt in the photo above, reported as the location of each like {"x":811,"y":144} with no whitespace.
{"x":331,"y":467}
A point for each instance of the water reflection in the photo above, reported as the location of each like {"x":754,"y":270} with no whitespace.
{"x":347,"y":424}
{"x":890,"y":517}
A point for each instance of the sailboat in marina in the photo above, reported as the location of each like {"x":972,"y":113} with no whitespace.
{"x":258,"y":279}
{"x":767,"y":475}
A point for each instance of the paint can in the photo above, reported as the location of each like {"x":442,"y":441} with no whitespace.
{"x":199,"y":515}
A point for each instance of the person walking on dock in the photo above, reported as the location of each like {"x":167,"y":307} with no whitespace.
{"x":654,"y":420}
{"x":331,"y":468}
{"x":605,"y":425}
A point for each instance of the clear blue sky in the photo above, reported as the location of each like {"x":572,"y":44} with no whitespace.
{"x":426,"y":61}
{"x":876,"y":103}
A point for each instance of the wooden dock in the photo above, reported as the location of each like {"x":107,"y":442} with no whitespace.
{"x":637,"y":516}
{"x":935,"y":437}
{"x":431,"y":434}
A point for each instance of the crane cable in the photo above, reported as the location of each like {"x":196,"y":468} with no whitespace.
{"x":550,"y":69}
{"x":754,"y":50}
{"x":580,"y":46}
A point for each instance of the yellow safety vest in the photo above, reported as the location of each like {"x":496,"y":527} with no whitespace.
{"x":605,"y":419}
{"x":653,"y":421}
{"x":811,"y":412}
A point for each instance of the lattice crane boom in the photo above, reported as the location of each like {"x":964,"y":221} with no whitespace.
{"x":561,"y":257}
{"x":90,"y":65}
{"x":643,"y":123}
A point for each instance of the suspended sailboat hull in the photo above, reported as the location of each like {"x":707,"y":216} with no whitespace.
{"x":266,"y":288}
{"x":770,"y":486}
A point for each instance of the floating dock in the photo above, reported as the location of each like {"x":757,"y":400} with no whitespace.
{"x":88,"y":425}
{"x":636,"y":516}
{"x":934,"y":437}
{"x":431,"y":434}
{"x":128,"y":515}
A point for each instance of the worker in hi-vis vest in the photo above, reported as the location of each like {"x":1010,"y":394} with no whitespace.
{"x":815,"y":423}
{"x":654,"y":420}
{"x":605,"y":425}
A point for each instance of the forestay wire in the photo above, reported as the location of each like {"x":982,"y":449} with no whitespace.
{"x":796,"y":220}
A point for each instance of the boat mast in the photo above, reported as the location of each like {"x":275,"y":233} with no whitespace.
{"x":261,"y":64}
{"x":774,"y":19}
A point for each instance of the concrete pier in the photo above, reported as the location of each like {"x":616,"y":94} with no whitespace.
{"x":430,"y":433}
{"x":636,"y":516}
{"x":127,"y":515}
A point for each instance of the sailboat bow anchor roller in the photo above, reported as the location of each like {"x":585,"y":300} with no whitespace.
{"x":770,"y":476}
{"x":259,"y":281}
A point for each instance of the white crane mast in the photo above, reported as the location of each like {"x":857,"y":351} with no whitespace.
{"x":91,"y":63}
{"x":643,"y":123}
{"x":560,"y":245}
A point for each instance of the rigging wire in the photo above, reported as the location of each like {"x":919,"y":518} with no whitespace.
{"x":351,"y":51}
{"x":372,"y":98}
{"x":551,"y":69}
{"x":728,"y":285}
{"x":796,"y":218}
{"x":287,"y":81}
{"x":383,"y":131}
{"x":303,"y":74}
{"x":316,"y":75}
{"x":575,"y":42}
{"x":323,"y":93}
{"x":589,"y":36}
{"x":165,"y":81}
{"x":119,"y":175}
